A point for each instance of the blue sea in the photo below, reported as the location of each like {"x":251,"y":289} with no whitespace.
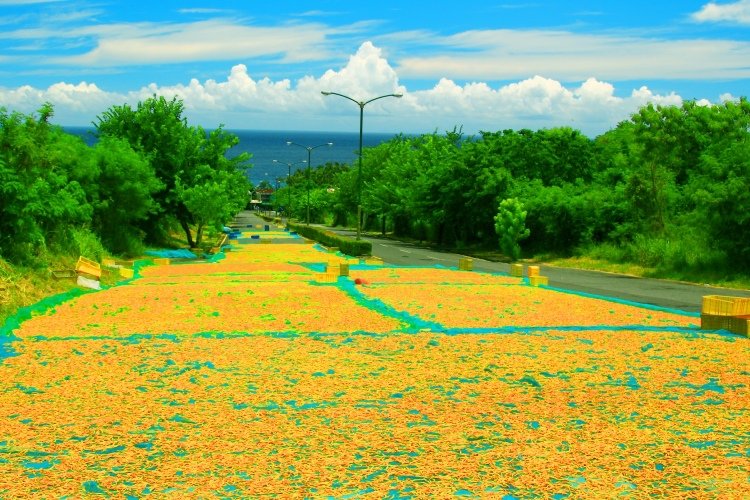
{"x":268,"y":145}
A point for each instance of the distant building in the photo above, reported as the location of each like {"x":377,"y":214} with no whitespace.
{"x":264,"y":195}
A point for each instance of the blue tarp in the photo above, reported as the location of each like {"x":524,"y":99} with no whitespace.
{"x":172,"y":254}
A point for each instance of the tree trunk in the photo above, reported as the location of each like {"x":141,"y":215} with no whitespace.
{"x":188,"y":234}
{"x":199,"y":234}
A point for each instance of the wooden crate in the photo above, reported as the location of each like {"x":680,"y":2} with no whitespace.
{"x":516,"y":270}
{"x":533,"y":271}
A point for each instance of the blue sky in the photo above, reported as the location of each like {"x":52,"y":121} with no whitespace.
{"x":488,"y":65}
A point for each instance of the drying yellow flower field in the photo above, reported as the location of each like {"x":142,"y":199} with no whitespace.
{"x":252,"y":376}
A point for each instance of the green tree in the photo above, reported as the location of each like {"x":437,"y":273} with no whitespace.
{"x":126,"y":186}
{"x":41,"y":199}
{"x":214,"y":197}
{"x":721,"y":192}
{"x":175,"y":150}
{"x":510,"y":226}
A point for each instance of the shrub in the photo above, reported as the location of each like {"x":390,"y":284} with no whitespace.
{"x":348,"y":246}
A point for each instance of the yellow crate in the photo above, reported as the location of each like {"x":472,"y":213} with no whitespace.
{"x":327,"y":277}
{"x":126,"y":273}
{"x":343,"y":269}
{"x":724,"y":305}
{"x":89,"y":267}
{"x":465,"y":264}
{"x":715,"y":322}
{"x":516,"y":270}
{"x":741,"y":325}
{"x":60,"y":274}
{"x":538,"y":280}
{"x":161,"y":262}
{"x":533,"y":271}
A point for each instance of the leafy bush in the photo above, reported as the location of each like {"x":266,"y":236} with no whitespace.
{"x":74,"y":242}
{"x":510,"y":225}
{"x":348,"y":246}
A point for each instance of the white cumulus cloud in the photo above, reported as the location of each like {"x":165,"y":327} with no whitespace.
{"x":244,"y":101}
{"x":735,"y":12}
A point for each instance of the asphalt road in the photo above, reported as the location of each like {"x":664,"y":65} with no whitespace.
{"x":662,"y":293}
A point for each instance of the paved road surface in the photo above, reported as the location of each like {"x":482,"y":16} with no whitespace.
{"x":663,"y":293}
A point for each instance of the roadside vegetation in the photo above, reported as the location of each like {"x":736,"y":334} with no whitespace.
{"x":663,"y":194}
{"x":148,"y":175}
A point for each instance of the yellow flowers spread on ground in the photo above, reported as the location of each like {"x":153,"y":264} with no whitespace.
{"x":250,"y":377}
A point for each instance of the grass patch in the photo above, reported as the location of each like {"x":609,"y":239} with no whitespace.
{"x":25,"y":285}
{"x":598,"y":259}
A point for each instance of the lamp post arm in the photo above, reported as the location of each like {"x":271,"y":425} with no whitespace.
{"x":361,"y":105}
{"x":319,"y":146}
{"x":380,"y":97}
{"x":358,"y":103}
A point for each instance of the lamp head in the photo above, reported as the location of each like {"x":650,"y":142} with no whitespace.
{"x":324,"y":92}
{"x":288,"y":143}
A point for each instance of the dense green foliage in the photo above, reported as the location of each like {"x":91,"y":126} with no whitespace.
{"x":346,"y":245}
{"x":200,"y":184}
{"x":665,"y":189}
{"x":147,"y":170}
{"x":510,"y":226}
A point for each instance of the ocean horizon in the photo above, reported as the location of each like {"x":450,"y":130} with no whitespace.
{"x":268,"y":145}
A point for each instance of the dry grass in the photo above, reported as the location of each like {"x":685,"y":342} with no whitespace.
{"x":21,"y":287}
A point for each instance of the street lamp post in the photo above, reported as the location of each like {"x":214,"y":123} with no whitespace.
{"x":309,"y":163}
{"x":361,"y":105}
{"x":289,"y":194}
